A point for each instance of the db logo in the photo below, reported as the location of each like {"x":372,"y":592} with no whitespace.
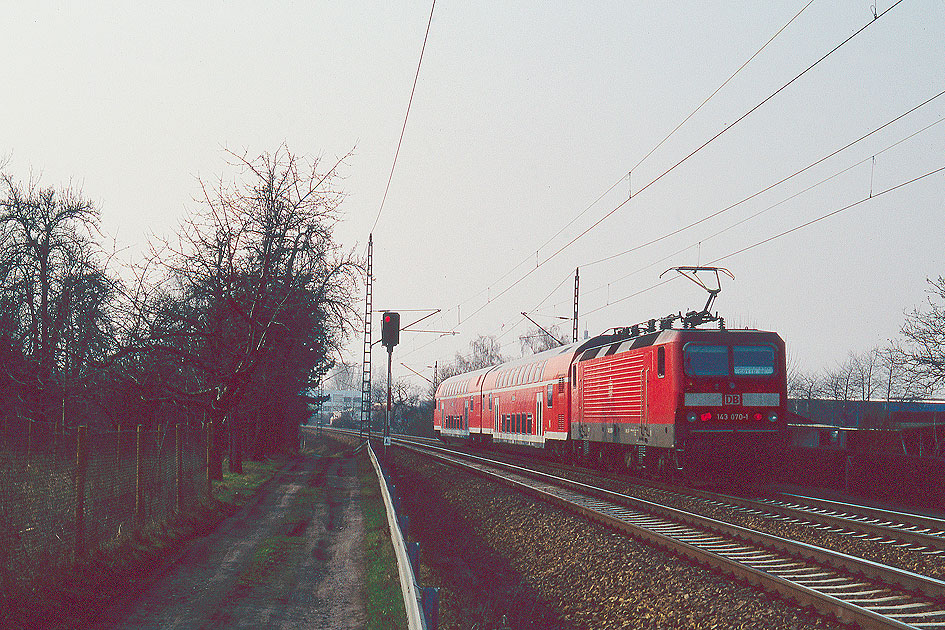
{"x":733,"y":399}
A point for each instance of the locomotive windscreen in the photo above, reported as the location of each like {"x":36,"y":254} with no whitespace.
{"x":753,"y":360}
{"x":704,"y":360}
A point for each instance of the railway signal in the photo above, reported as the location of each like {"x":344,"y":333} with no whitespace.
{"x":390,"y":337}
{"x":390,"y":330}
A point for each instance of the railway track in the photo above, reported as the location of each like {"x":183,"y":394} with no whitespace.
{"x":921,"y":534}
{"x":913,"y":532}
{"x":850,"y":589}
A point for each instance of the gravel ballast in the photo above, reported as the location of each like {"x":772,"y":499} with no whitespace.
{"x":504,"y":561}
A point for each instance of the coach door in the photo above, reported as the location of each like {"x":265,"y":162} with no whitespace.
{"x":539,"y":419}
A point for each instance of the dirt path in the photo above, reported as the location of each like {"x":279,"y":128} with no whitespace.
{"x":291,"y":558}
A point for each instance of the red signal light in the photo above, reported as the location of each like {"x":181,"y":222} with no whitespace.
{"x":705,"y":417}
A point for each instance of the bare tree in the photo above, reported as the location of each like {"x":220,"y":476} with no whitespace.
{"x":535,"y":340}
{"x":257,"y":299}
{"x":925,"y":339}
{"x":55,"y":295}
{"x":344,"y":376}
{"x":484,"y":351}
{"x":865,"y":374}
{"x":898,"y":381}
{"x":805,"y":386}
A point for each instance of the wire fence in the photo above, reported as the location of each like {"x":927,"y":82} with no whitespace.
{"x":65,"y":494}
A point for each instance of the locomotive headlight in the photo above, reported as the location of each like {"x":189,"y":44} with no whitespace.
{"x":692,"y":416}
{"x":772,"y":416}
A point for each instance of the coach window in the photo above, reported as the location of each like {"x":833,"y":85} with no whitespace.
{"x":528,"y":424}
{"x":549,"y":394}
{"x":471,"y":405}
{"x":490,"y":402}
{"x":573,"y":376}
{"x":661,"y":361}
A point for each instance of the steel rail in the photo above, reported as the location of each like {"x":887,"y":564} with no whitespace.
{"x":925,"y":534}
{"x":850,"y":589}
{"x":930,"y":527}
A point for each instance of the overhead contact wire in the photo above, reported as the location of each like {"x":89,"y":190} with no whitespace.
{"x":830,"y":214}
{"x":651,"y":151}
{"x":690,"y":155}
{"x":677,"y":164}
{"x":403,"y":129}
{"x":767,"y":188}
{"x":875,"y":195}
{"x":723,"y":131}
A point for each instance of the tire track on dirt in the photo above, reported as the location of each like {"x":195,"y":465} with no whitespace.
{"x":288,"y":559}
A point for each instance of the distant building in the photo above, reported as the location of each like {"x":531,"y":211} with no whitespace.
{"x":870,"y":414}
{"x":910,"y":427}
{"x":339,"y":401}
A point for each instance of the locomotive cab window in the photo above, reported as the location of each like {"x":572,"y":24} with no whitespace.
{"x":753,"y":360}
{"x":706,"y":360}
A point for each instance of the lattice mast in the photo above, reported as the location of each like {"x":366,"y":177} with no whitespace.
{"x":577,"y":285}
{"x":366,"y":359}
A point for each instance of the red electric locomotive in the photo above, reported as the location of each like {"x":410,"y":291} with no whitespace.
{"x":640,"y":397}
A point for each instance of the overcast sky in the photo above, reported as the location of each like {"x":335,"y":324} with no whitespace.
{"x":525,"y":113}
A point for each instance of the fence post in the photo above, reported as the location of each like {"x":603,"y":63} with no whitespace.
{"x":139,"y":475}
{"x":178,"y":450}
{"x":209,"y":433}
{"x":81,"y":460}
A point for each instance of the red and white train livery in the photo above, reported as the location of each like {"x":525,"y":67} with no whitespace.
{"x":659,"y":399}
